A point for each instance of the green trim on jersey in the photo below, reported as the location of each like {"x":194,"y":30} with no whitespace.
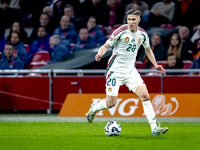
{"x":111,"y":62}
{"x":144,"y":37}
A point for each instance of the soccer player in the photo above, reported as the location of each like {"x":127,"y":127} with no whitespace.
{"x":126,"y":41}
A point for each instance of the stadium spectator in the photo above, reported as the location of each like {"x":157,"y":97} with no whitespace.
{"x":2,"y":38}
{"x":53,"y":20}
{"x":195,"y":65}
{"x":15,"y":4}
{"x":41,"y":43}
{"x":195,"y":35}
{"x":162,"y":13}
{"x":44,"y":21}
{"x":196,"y":47}
{"x":8,"y":15}
{"x":16,"y":26}
{"x":69,"y":11}
{"x":93,"y":8}
{"x":176,"y":47}
{"x":95,"y":31}
{"x":66,"y":30}
{"x":84,"y":41}
{"x":60,"y":48}
{"x":187,"y":13}
{"x":9,"y":61}
{"x":30,"y":11}
{"x":57,"y":8}
{"x":141,"y":6}
{"x":76,"y":4}
{"x":172,"y":64}
{"x":158,"y":50}
{"x":184,"y":34}
{"x":20,"y":50}
{"x":113,"y":13}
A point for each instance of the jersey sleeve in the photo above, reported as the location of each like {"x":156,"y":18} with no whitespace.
{"x":112,"y":39}
{"x":146,"y":41}
{"x":116,"y":34}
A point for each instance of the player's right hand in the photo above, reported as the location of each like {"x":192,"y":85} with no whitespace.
{"x":98,"y":57}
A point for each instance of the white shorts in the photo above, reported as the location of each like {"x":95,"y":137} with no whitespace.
{"x":114,"y":80}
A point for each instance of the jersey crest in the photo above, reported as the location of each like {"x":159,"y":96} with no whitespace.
{"x":127,"y":39}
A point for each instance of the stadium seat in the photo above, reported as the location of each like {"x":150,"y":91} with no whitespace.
{"x":36,"y":64}
{"x":27,"y":47}
{"x":139,"y":65}
{"x":41,"y":56}
{"x":33,"y":75}
{"x":153,"y":74}
{"x":102,"y":27}
{"x":187,"y":64}
{"x":162,"y":62}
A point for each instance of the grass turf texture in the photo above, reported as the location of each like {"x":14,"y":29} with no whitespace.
{"x":41,"y":135}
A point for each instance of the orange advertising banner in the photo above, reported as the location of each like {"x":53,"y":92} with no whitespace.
{"x":129,"y":105}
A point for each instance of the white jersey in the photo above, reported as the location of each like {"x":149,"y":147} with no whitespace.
{"x":125,"y":47}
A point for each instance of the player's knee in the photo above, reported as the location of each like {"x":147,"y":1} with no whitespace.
{"x":145,"y":97}
{"x":111,"y":103}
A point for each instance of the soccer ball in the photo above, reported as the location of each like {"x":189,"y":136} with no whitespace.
{"x":112,"y":128}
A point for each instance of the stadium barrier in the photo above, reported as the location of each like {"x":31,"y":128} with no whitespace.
{"x":47,"y":89}
{"x":129,"y":105}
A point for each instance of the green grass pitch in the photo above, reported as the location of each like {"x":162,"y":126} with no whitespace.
{"x":82,"y":136}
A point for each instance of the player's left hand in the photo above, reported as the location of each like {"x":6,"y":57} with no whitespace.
{"x":160,"y":69}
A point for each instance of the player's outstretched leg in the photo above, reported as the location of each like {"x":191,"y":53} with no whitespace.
{"x":159,"y":130}
{"x":90,"y":114}
{"x":94,"y":108}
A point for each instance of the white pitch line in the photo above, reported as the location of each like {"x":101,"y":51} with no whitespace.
{"x":55,"y":118}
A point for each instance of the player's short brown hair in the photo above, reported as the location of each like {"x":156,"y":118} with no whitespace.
{"x":133,"y":12}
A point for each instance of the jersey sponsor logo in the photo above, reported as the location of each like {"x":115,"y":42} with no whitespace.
{"x":133,"y":40}
{"x":127,"y":39}
{"x":139,"y":40}
{"x":109,"y":89}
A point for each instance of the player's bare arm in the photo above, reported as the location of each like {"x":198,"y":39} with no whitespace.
{"x":102,"y":51}
{"x":151,"y":57}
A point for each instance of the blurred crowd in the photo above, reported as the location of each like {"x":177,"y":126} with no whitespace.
{"x":62,"y":27}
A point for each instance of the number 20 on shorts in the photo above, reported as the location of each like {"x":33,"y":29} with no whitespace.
{"x":111,"y":82}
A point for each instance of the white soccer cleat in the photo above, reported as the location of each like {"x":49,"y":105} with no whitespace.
{"x":90,"y":114}
{"x":159,"y":130}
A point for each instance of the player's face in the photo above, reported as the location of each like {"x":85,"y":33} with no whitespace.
{"x":133,"y":22}
{"x":9,"y":50}
{"x":14,"y":38}
{"x":171,"y":61}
